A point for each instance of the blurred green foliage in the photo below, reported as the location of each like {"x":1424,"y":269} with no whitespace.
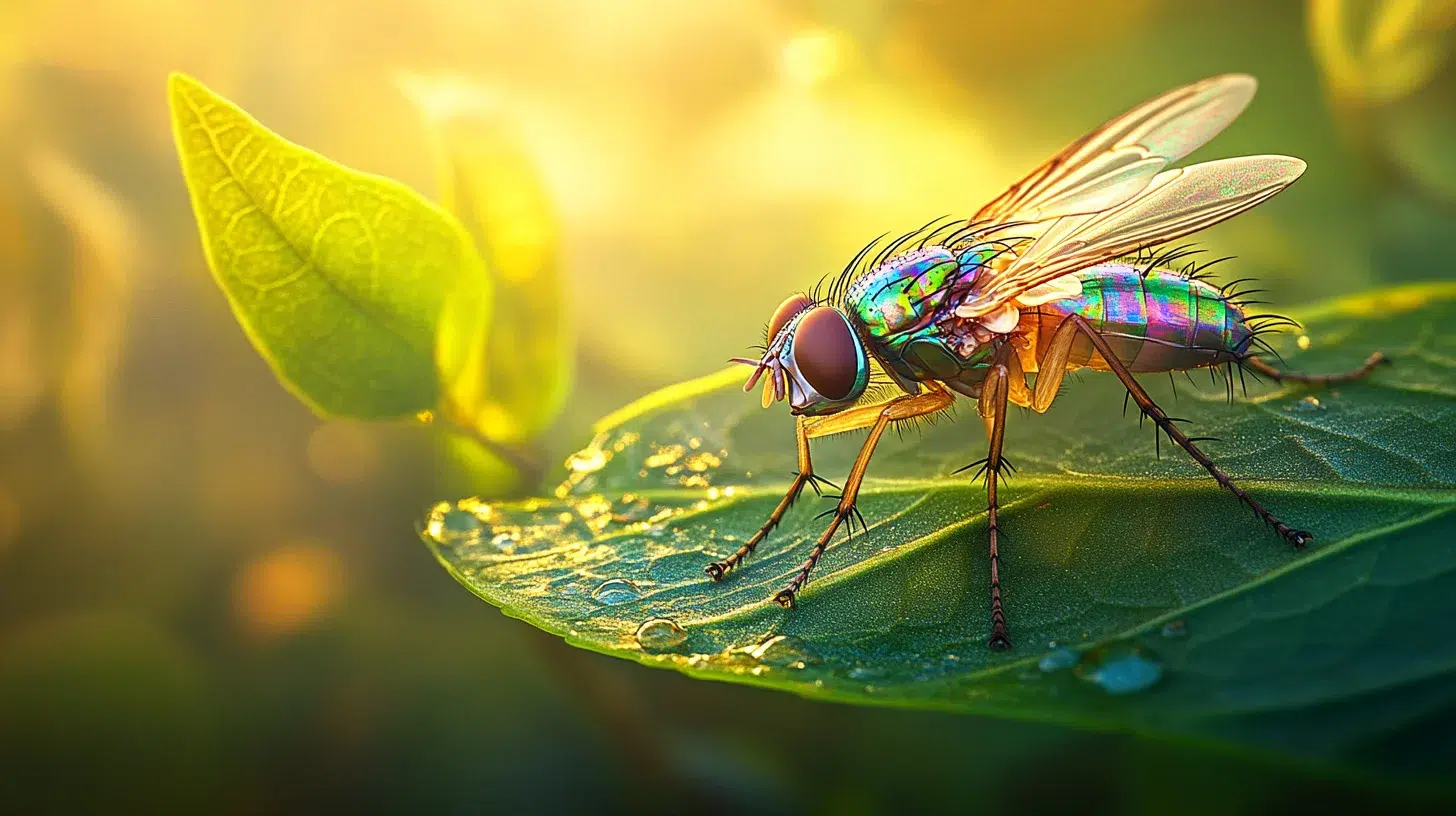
{"x":208,"y":595}
{"x":487,"y":180}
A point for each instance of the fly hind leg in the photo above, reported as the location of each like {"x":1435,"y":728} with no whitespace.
{"x":1258,"y":366}
{"x":1053,"y":365}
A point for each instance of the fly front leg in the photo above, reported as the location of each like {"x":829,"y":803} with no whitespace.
{"x":804,"y":476}
{"x":877,"y":418}
{"x":1372,"y":362}
{"x":1057,"y":352}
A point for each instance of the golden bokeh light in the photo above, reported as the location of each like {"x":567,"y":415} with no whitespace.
{"x":287,"y":589}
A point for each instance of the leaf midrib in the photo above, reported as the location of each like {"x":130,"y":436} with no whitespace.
{"x":307,"y":259}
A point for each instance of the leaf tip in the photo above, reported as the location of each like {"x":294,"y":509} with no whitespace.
{"x":179,"y":83}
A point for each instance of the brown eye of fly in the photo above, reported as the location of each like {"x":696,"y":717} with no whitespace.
{"x":826,"y":353}
{"x":785,"y":312}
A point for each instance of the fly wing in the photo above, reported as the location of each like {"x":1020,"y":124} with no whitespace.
{"x":1113,"y":163}
{"x":1176,"y":203}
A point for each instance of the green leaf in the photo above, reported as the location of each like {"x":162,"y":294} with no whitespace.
{"x":1106,"y":546}
{"x":509,"y":356}
{"x":338,"y":277}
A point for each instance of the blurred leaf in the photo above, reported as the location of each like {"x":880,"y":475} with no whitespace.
{"x":338,"y":277}
{"x":1109,"y":549}
{"x":105,"y":249}
{"x":1417,"y":139}
{"x":1404,"y":44}
{"x":517,"y":344}
{"x":24,"y":373}
{"x":154,"y":714}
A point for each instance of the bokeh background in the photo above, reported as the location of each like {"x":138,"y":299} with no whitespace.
{"x":213,"y":601}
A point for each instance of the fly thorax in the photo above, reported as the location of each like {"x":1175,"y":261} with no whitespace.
{"x":903,"y":292}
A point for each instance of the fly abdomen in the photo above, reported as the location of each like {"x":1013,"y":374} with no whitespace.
{"x":1161,"y":321}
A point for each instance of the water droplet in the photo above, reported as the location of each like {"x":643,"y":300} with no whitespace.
{"x":449,"y":524}
{"x":660,"y":635}
{"x":1124,"y":671}
{"x":615,"y":591}
{"x":631,"y":508}
{"x":865,"y":673}
{"x":1058,"y":659}
{"x":665,"y":455}
{"x":1174,"y":629}
{"x":704,"y":461}
{"x":1302,"y":342}
{"x":1309,"y":403}
{"x":784,"y":651}
{"x":587,"y":460}
{"x":505,"y":542}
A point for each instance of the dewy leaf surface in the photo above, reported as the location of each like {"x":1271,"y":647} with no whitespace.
{"x":338,"y":277}
{"x":1107,"y":549}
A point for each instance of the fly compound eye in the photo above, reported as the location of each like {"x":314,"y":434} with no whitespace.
{"x":827,"y":354}
{"x":784,"y":313}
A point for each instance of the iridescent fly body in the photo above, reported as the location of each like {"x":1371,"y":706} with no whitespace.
{"x":1057,"y":273}
{"x":1157,"y":320}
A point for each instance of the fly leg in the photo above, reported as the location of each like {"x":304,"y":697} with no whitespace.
{"x":1370,"y":364}
{"x":1063,"y":340}
{"x":804,"y":476}
{"x":877,"y":418}
{"x":995,"y":390}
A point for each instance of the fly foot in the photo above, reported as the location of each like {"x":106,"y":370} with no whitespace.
{"x":717,"y":569}
{"x":786,"y":599}
{"x":1000,"y":639}
{"x":1298,"y":538}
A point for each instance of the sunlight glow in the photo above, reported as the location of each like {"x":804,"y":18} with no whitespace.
{"x":813,"y":57}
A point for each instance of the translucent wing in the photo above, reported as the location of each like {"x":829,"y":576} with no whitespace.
{"x":1110,"y":165}
{"x":1176,"y":203}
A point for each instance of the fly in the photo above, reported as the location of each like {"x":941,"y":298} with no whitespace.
{"x":1057,"y":273}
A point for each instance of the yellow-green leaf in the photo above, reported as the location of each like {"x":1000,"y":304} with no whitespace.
{"x":507,"y":359}
{"x":338,"y":277}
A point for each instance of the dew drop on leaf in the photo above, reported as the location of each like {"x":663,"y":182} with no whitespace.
{"x":615,"y":591}
{"x":1058,"y":659}
{"x":449,"y":524}
{"x":784,"y":651}
{"x":1123,"y":671}
{"x":660,"y":635}
{"x":587,"y":460}
{"x":1174,"y":629}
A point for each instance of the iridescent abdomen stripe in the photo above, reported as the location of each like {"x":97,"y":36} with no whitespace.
{"x":1158,"y":322}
